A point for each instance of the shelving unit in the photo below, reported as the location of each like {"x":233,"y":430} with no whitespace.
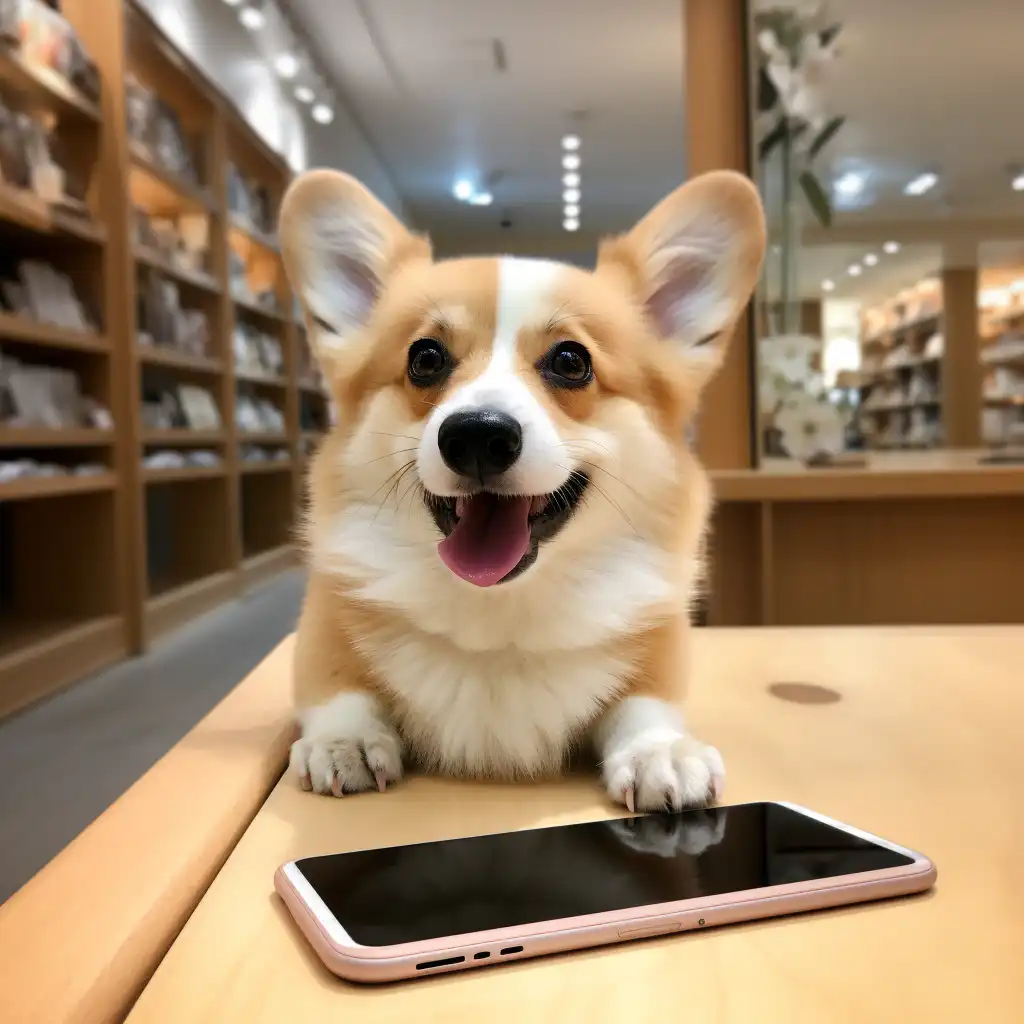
{"x":150,"y":547}
{"x":1002,"y":359}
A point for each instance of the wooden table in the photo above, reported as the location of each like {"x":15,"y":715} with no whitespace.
{"x":923,"y":746}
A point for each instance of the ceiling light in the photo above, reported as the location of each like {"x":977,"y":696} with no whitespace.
{"x":571,"y":180}
{"x":287,"y":65}
{"x":828,"y":286}
{"x":1018,"y":183}
{"x":252,"y":18}
{"x":891,"y":247}
{"x":322,"y":114}
{"x":921,"y":184}
{"x":304,"y":94}
{"x":571,"y":210}
{"x":570,"y":142}
{"x":571,"y":195}
{"x":870,"y":259}
{"x":855,"y":270}
{"x":571,"y":224}
{"x":571,"y":161}
{"x":848,"y":185}
{"x":481,"y":199}
{"x":463,"y":190}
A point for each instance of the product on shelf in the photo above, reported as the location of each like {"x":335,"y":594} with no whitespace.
{"x":155,"y":129}
{"x":261,"y":453}
{"x":183,"y":241}
{"x":255,"y":415}
{"x":242,"y":290}
{"x":249,"y":203}
{"x":43,"y":294}
{"x":168,"y":459}
{"x":163,"y":321}
{"x":257,"y":353}
{"x":18,"y":469}
{"x":186,"y":407}
{"x":46,"y":396}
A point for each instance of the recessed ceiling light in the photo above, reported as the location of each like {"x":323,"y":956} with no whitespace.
{"x":571,"y":161}
{"x":571,"y":195}
{"x":571,"y":224}
{"x":870,"y":259}
{"x":304,"y":94}
{"x":287,"y":65}
{"x":848,"y":185}
{"x":322,"y":114}
{"x":463,"y":190}
{"x":891,"y":248}
{"x":252,"y":18}
{"x":1018,"y":183}
{"x":570,"y":142}
{"x":921,"y":184}
{"x":571,"y":210}
{"x":828,"y":286}
{"x":571,"y":179}
{"x":855,"y":270}
{"x":481,"y":199}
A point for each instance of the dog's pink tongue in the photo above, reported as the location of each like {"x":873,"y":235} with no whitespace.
{"x":488,"y":541}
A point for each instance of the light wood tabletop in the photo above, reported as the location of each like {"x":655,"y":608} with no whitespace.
{"x":923,"y":747}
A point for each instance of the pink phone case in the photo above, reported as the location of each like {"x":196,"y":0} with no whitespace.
{"x":354,"y":962}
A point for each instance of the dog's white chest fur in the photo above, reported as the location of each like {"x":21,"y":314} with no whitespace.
{"x":507,"y":712}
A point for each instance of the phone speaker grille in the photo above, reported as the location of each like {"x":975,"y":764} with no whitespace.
{"x":429,"y":965}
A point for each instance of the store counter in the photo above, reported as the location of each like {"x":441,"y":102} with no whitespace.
{"x":912,"y":537}
{"x":910,"y":733}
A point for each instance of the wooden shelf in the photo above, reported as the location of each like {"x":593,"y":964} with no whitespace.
{"x":44,"y":437}
{"x":264,"y":379}
{"x":56,"y":486}
{"x":260,"y":438}
{"x":156,"y":355}
{"x":183,"y":438}
{"x":44,"y":88}
{"x":252,"y":466}
{"x":185,"y":193}
{"x":313,"y":387}
{"x":176,"y":605}
{"x":27,"y":210}
{"x":1006,"y":402}
{"x":193,"y":278}
{"x":1010,"y":359}
{"x":892,"y":333}
{"x":254,"y":235}
{"x":257,"y":568}
{"x":18,"y":328}
{"x":182,"y":474}
{"x":255,"y":309}
{"x":931,"y":403}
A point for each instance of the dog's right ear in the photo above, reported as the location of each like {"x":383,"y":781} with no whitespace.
{"x":340,"y":244}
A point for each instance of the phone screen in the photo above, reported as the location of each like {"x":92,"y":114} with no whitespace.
{"x":431,"y":890}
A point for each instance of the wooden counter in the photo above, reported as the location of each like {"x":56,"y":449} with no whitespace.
{"x":923,"y":746}
{"x":915,"y":537}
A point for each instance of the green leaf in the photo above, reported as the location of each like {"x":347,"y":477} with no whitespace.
{"x":817,"y":197}
{"x":825,"y":136}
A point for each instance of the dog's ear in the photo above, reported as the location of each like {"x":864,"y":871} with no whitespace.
{"x":340,"y":244}
{"x":694,"y":260}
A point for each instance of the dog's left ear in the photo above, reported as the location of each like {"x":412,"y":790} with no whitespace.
{"x":695,"y":258}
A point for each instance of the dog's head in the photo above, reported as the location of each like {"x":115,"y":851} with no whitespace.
{"x":491,"y":410}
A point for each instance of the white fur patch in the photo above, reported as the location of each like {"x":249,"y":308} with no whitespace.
{"x":524,"y":287}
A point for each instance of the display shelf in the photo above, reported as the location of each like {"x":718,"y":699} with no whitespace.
{"x":176,"y":604}
{"x":253,"y":236}
{"x":31,"y":332}
{"x":263,"y":380}
{"x":312,"y":386}
{"x":162,"y":189}
{"x":155,"y":355}
{"x":191,"y":278}
{"x":183,"y":438}
{"x":258,"y":312}
{"x":269,"y":438}
{"x":43,"y":88}
{"x":43,"y":437}
{"x":55,"y":486}
{"x":254,"y":466}
{"x":257,"y":568}
{"x":183,"y":474}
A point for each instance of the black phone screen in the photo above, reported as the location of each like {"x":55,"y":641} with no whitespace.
{"x":431,"y":890}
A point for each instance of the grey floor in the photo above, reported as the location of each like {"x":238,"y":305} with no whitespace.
{"x":65,"y":760}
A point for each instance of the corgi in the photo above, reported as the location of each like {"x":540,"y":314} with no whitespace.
{"x":506,"y":522}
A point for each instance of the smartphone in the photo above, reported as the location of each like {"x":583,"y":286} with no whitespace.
{"x":411,"y":911}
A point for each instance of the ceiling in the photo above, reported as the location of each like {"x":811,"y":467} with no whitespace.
{"x":424,"y":81}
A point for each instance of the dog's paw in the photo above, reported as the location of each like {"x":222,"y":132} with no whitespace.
{"x":662,"y":769}
{"x":668,"y":835}
{"x":348,"y":763}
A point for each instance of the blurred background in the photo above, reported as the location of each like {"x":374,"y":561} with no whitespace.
{"x":159,"y":402}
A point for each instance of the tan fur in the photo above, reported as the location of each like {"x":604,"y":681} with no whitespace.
{"x":650,"y":494}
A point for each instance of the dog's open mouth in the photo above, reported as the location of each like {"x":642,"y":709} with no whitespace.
{"x":491,"y":538}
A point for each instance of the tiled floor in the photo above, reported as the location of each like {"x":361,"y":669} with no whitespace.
{"x":66,"y":760}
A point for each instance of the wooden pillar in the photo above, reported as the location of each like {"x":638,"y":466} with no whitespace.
{"x":718,"y":136}
{"x":961,"y":364}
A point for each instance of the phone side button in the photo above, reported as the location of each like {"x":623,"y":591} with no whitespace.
{"x":648,"y":932}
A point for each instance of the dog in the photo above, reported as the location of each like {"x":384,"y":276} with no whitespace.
{"x":506,"y":522}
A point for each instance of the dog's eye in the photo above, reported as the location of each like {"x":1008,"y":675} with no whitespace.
{"x":567,"y":365}
{"x":429,"y":362}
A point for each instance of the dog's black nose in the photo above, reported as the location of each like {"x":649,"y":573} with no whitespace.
{"x":480,"y":443}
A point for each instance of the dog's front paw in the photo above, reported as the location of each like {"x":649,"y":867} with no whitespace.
{"x":344,"y":749}
{"x":663,"y":769}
